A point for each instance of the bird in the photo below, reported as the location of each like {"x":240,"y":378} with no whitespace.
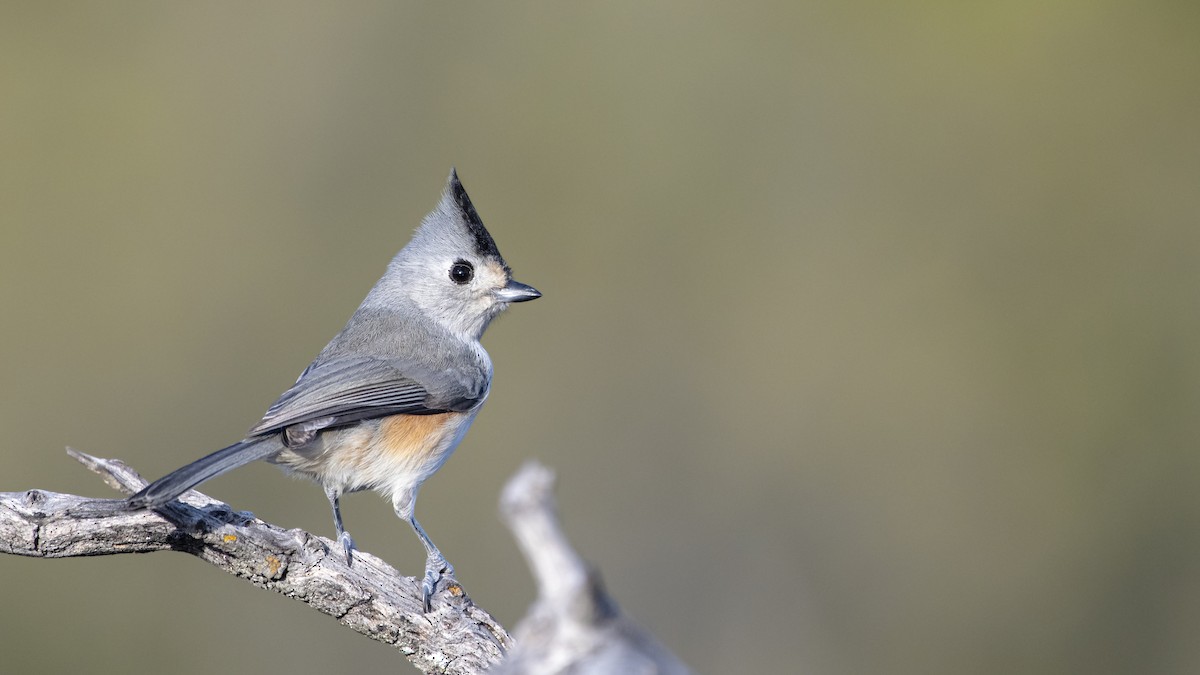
{"x":386,"y":402}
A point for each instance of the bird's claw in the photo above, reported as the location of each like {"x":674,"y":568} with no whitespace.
{"x":435,"y":568}
{"x":347,"y":547}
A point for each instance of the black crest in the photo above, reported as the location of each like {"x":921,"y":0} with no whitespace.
{"x":484,"y":244}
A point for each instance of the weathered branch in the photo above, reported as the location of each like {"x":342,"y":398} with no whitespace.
{"x":574,"y":626}
{"x":371,"y":597}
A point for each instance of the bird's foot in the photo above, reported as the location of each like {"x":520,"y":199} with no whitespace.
{"x":436,"y":566}
{"x":347,"y":547}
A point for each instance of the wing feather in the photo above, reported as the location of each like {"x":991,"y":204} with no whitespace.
{"x":347,"y":390}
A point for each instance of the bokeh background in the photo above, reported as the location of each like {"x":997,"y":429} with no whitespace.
{"x":869,"y":340}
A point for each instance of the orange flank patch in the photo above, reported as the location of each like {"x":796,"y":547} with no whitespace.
{"x":414,"y":435}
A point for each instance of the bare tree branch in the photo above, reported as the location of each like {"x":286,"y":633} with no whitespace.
{"x":371,"y":597}
{"x":575,"y":626}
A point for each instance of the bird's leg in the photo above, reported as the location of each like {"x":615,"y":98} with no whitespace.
{"x":334,"y":496}
{"x":436,"y":564}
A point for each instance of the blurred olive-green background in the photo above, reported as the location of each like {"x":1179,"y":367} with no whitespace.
{"x":869,"y":340}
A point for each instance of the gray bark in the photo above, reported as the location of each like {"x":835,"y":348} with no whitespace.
{"x":370,"y":597}
{"x":574,"y":626}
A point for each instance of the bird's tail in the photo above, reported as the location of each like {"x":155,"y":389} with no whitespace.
{"x":170,"y":486}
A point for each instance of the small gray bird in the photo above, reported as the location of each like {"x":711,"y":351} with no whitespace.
{"x":388,"y":399}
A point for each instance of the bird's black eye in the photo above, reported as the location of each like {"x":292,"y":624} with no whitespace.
{"x":461,"y":272}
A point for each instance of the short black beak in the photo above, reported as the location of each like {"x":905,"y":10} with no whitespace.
{"x":516,"y":291}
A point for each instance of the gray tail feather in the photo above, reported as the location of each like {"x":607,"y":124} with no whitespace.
{"x":170,"y":486}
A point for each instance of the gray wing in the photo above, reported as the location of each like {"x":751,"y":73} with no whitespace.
{"x":346,"y":390}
